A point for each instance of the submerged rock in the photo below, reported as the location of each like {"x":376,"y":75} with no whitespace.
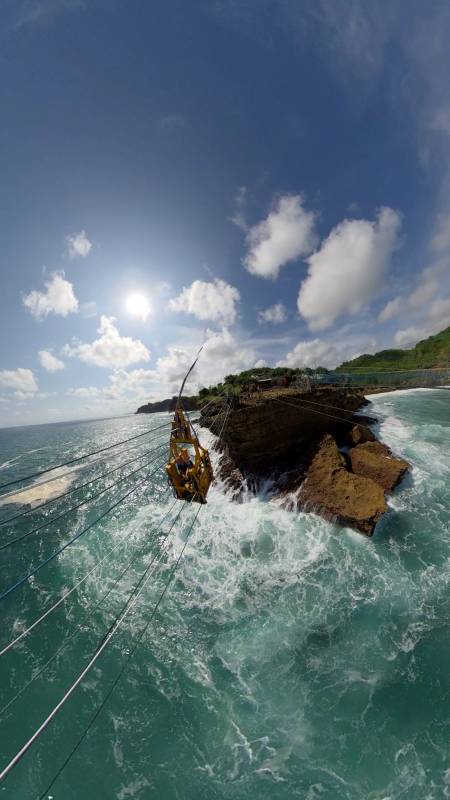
{"x":375,"y":460}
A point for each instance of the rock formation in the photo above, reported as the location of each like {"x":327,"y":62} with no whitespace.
{"x":189,"y":403}
{"x":300,"y":442}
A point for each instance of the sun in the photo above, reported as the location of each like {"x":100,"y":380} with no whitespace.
{"x":138,"y":305}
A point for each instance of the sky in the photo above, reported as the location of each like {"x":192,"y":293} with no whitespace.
{"x":269,"y":178}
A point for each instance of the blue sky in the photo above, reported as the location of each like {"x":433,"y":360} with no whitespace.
{"x":270,"y":178}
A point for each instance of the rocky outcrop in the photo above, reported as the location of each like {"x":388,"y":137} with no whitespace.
{"x":375,"y":460}
{"x":189,"y":404}
{"x":300,"y":443}
{"x":335,"y":493}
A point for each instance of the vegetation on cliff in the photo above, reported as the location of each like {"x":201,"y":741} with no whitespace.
{"x":429,"y":353}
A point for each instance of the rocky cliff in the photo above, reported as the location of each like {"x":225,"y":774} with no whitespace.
{"x":316,"y":453}
{"x":189,"y":403}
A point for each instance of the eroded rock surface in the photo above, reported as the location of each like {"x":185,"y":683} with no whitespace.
{"x":293,"y":438}
{"x":375,"y":460}
{"x":335,"y":493}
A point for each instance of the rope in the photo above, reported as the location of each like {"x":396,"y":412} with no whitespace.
{"x":131,"y":601}
{"x":81,"y":533}
{"x":74,"y":489}
{"x":79,"y":458}
{"x":91,"y":610}
{"x":123,"y":667}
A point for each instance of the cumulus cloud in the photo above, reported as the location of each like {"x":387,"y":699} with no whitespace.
{"x":348,"y":269}
{"x":423,"y":293}
{"x":321,"y":353}
{"x":22,"y":380}
{"x":78,"y":245}
{"x":215,"y":301}
{"x":391,"y":309}
{"x":408,"y":337}
{"x":274,"y":314}
{"x":58,"y":298}
{"x":222,"y":354}
{"x":437,"y":318}
{"x":49,"y":361}
{"x":285,"y":235}
{"x":110,"y":349}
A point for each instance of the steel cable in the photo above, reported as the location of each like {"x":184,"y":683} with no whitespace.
{"x":79,"y":458}
{"x":123,"y":667}
{"x":74,"y":489}
{"x":91,"y":609}
{"x":131,"y":601}
{"x":78,"y":535}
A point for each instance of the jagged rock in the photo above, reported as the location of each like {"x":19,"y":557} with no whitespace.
{"x":360,"y":434}
{"x":292,"y":439}
{"x":332,"y":491}
{"x":375,"y":460}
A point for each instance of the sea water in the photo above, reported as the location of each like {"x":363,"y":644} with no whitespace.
{"x":289,"y":658}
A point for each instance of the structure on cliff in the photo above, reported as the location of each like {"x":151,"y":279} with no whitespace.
{"x":317,"y":453}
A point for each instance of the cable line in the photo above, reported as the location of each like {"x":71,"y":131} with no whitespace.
{"x":93,"y":608}
{"x":61,"y":600}
{"x":79,"y":458}
{"x":74,"y":489}
{"x":131,"y":601}
{"x":123,"y":667}
{"x":81,"y":533}
{"x":323,"y":413}
{"x":84,"y":502}
{"x":16,"y":492}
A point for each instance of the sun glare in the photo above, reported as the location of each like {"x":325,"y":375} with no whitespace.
{"x":138,"y":305}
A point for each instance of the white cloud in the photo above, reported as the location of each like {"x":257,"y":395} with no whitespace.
{"x":391,"y":309}
{"x":274,"y":314}
{"x":438,"y":318}
{"x":423,"y":293}
{"x":285,"y":235}
{"x":409,"y":336}
{"x":348,"y":269}
{"x":110,"y":349}
{"x":222,"y":354}
{"x":215,"y":301}
{"x":22,"y":380}
{"x":58,"y":298}
{"x":78,"y":245}
{"x":49,"y":361}
{"x":322,"y":353}
{"x":85,"y":391}
{"x":260,"y":363}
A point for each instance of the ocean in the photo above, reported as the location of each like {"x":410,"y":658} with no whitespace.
{"x":289,"y":657}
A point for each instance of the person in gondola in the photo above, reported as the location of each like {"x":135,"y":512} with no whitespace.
{"x":184,"y":462}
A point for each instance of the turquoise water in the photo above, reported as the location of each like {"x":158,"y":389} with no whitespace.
{"x":291,"y":658}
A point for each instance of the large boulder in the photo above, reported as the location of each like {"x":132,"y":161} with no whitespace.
{"x":375,"y":460}
{"x":335,"y":493}
{"x":360,"y":434}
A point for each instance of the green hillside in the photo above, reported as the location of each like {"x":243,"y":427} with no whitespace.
{"x":431,"y":352}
